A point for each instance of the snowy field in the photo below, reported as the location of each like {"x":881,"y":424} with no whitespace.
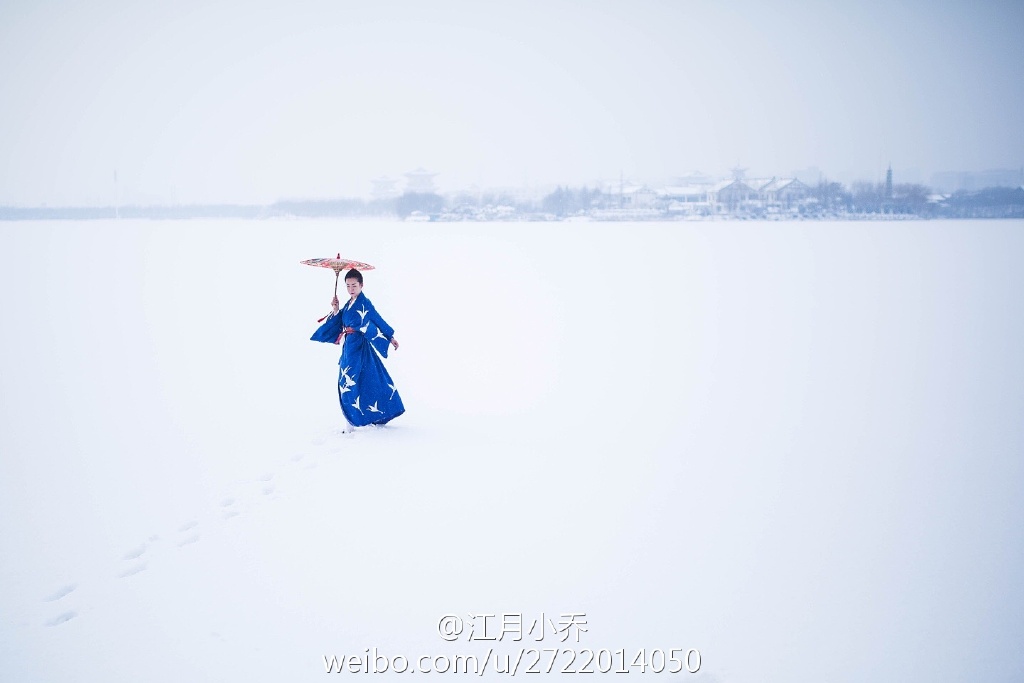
{"x":795,"y":447}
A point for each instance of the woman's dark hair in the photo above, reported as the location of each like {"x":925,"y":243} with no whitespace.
{"x":355,"y":275}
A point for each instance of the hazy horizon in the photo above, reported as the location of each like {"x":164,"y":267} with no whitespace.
{"x":253,"y":103}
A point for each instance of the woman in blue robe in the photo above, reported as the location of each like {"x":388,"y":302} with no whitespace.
{"x":365,"y":389}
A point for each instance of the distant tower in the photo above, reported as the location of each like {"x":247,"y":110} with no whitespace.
{"x":384,"y":188}
{"x":888,"y":183}
{"x":421,"y":181}
{"x":739,"y":173}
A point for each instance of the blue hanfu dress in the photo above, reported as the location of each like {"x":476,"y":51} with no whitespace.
{"x":365,"y":389}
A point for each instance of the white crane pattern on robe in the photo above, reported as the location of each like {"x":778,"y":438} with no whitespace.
{"x":346,"y":386}
{"x":361,"y":371}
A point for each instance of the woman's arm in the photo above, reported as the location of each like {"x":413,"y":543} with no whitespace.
{"x":330,"y":331}
{"x":373,"y":315}
{"x":381,"y":324}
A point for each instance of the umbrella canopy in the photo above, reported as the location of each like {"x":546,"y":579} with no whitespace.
{"x":337,"y":264}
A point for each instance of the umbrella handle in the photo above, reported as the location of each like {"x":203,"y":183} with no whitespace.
{"x":336,"y":274}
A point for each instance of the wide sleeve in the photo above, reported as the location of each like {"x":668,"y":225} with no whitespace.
{"x":388,"y":331}
{"x":329,"y":331}
{"x":376,"y":330}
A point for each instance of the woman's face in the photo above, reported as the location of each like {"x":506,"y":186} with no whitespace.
{"x":353,"y":286}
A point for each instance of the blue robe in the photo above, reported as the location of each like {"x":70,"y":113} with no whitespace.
{"x":365,"y":389}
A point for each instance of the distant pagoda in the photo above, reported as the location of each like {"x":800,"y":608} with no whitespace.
{"x":420,"y":181}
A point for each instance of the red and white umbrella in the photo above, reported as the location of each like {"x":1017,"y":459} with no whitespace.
{"x":337,"y":264}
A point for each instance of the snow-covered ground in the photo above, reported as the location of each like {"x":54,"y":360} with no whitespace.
{"x":794,"y":447}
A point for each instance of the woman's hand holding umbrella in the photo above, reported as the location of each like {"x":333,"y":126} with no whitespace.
{"x":337,"y":264}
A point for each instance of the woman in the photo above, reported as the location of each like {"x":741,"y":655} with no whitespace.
{"x":365,"y":389}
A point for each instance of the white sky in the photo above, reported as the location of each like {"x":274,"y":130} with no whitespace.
{"x":255,"y":101}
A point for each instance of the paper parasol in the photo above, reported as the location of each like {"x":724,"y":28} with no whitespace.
{"x":337,"y":264}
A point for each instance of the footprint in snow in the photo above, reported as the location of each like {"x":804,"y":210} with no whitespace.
{"x":188,"y":541}
{"x":62,"y":618}
{"x":61,"y":592}
{"x":229,"y":511}
{"x":134,"y":553}
{"x":132,"y":571}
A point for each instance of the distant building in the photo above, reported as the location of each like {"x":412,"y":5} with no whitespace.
{"x":637,"y":196}
{"x":733,"y":195}
{"x":784,"y":192}
{"x":420,"y":181}
{"x":685,"y":200}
